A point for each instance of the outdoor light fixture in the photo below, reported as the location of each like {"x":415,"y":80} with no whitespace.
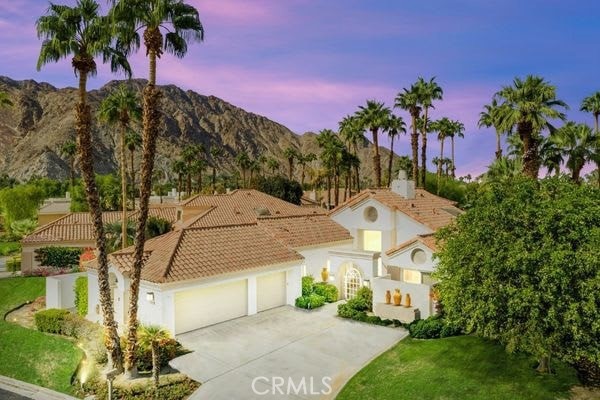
{"x":150,"y":297}
{"x":367,"y":283}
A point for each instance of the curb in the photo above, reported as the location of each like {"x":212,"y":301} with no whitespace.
{"x":31,"y":391}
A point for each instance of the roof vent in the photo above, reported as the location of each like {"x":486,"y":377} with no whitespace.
{"x":262,"y":211}
{"x":403,"y":186}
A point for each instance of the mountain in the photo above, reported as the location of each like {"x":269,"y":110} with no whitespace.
{"x":42,"y":119}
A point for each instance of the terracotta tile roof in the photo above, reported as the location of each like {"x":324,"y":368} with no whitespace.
{"x":301,"y":231}
{"x":195,"y":253}
{"x":428,"y":240}
{"x":77,"y":226}
{"x":426,"y":208}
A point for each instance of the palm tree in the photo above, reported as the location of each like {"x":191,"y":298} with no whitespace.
{"x":69,"y":150}
{"x":591,"y":104}
{"x":443,"y":127}
{"x":121,"y":106}
{"x":503,"y":169}
{"x":396,"y":126}
{"x":133,"y":140}
{"x":291,"y":154}
{"x":114,"y":234}
{"x":374,"y":117}
{"x":429,"y":91}
{"x":490,"y":117}
{"x":272,"y":164}
{"x":576,"y":142}
{"x":528,"y":105}
{"x":352,"y":133}
{"x":304,"y":159}
{"x":81,"y":32}
{"x":331,"y":146}
{"x":181,"y":24}
{"x":458,"y":130}
{"x":215,"y":153}
{"x":551,"y":155}
{"x":151,"y":336}
{"x":179,"y":168}
{"x":410,"y":100}
{"x":198,"y":167}
{"x":243,"y":161}
{"x":5,"y":100}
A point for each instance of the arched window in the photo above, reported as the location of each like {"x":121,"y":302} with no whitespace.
{"x":352,"y":282}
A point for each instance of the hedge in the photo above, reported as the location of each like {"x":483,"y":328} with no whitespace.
{"x":58,"y":257}
{"x":434,"y":327}
{"x":51,"y":320}
{"x":311,"y":301}
{"x":328,"y":291}
{"x":81,"y":295}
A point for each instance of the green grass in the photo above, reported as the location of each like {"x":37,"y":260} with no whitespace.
{"x":29,"y":355}
{"x":462,"y":367}
{"x":9,"y":248}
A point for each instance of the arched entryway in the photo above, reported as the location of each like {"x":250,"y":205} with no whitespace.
{"x":352,"y":282}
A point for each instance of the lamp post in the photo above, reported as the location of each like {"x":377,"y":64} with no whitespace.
{"x":110,"y":376}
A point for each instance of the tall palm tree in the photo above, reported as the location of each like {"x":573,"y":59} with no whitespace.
{"x":591,"y":104}
{"x":304,"y":159}
{"x":528,"y":105}
{"x":291,"y":154}
{"x":198,"y":169}
{"x":5,"y":100}
{"x":82,"y":33}
{"x":576,"y":142}
{"x":69,"y":150}
{"x":179,"y":168}
{"x":272,"y":164}
{"x":261,"y":162}
{"x":410,"y":100}
{"x":181,"y":24}
{"x":458,"y":130}
{"x":490,"y":117}
{"x":121,"y":107}
{"x":243,"y":161}
{"x":331,"y":146}
{"x":133,"y":141}
{"x":551,"y":155}
{"x":352,"y":134}
{"x":151,"y":336}
{"x":429,"y":92}
{"x":374,"y":117}
{"x":395,"y":127}
{"x":215,"y":153}
{"x":444,"y":128}
{"x":189,"y":155}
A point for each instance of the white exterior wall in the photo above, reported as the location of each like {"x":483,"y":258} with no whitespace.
{"x":60,"y":290}
{"x":120,"y":300}
{"x":407,"y":228}
{"x":419,"y":294}
{"x":403,"y":259}
{"x":94,"y":311}
{"x":150,"y":313}
{"x":315,"y":258}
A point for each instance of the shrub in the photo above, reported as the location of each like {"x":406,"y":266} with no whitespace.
{"x":23,"y":227}
{"x":48,"y":271}
{"x":328,"y":291}
{"x":81,"y":295}
{"x":308,"y":283}
{"x":434,"y":327}
{"x":13,"y":264}
{"x":177,"y":390}
{"x":58,"y":257}
{"x":311,"y":301}
{"x":366,"y":295}
{"x":51,"y":320}
{"x":168,"y":350}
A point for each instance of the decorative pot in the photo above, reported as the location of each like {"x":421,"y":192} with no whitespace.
{"x":388,"y":297}
{"x":407,"y":301}
{"x":397,"y":297}
{"x":325,"y":274}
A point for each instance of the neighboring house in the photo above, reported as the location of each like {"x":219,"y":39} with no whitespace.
{"x":53,"y":209}
{"x":76,"y":230}
{"x":393,"y":245}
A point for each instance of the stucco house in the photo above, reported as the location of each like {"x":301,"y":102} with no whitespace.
{"x":393,"y":245}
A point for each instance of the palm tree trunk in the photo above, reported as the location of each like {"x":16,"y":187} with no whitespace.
{"x":376,"y":158}
{"x":596,"y":122}
{"x":155,"y":363}
{"x":302,"y":176}
{"x":424,"y":148}
{"x":83,"y":126}
{"x":214,"y":179}
{"x":453,"y":166}
{"x":414,"y":142}
{"x":328,"y":190}
{"x":498,"y":146}
{"x":336,"y":184}
{"x":291,"y":168}
{"x":391,"y":162}
{"x":199,"y":182}
{"x":531,"y":162}
{"x":151,"y":120}
{"x":72,"y":173}
{"x":357,"y":168}
{"x":123,"y":189}
{"x":132,"y":154}
{"x":439,"y":166}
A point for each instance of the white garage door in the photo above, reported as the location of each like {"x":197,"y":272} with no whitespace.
{"x":202,"y":307}
{"x":270,"y":290}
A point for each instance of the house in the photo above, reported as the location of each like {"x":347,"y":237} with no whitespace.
{"x":393,"y":245}
{"x":75,"y":229}
{"x":53,"y":209}
{"x":230,"y":255}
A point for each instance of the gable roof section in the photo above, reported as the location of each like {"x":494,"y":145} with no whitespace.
{"x":302,"y":231}
{"x":78,"y":226}
{"x":428,"y":240}
{"x":428,"y":209}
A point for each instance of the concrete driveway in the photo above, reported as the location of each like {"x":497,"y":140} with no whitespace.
{"x":283,"y":353}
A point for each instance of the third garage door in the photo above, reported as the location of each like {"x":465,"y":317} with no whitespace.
{"x":270,"y":291}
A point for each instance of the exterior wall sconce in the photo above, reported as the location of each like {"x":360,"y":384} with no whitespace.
{"x":150,"y":297}
{"x":367,"y":283}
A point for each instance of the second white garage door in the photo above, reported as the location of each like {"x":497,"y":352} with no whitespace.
{"x":197,"y":308}
{"x":270,"y":291}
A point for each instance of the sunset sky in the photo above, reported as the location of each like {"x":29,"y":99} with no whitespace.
{"x":306,"y":64}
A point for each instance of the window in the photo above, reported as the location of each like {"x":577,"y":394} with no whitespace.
{"x":370,"y":214}
{"x":372,"y":240}
{"x":352,"y":282}
{"x":418,"y":256}
{"x":411,"y":276}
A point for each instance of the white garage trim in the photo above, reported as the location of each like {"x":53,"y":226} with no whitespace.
{"x":271,"y":290}
{"x":197,"y":308}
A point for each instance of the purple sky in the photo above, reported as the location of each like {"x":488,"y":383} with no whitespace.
{"x":306,"y":64}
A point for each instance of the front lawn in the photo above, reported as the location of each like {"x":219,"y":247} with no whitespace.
{"x":29,"y":355}
{"x":462,"y":367}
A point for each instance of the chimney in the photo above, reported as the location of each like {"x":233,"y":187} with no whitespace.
{"x":403,"y":186}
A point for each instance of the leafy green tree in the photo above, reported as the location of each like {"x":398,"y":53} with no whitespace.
{"x":526,"y":108}
{"x":410,"y":100}
{"x":151,"y":336}
{"x":82,"y":33}
{"x":521,"y":266}
{"x":114,"y":232}
{"x":20,"y":202}
{"x":281,"y":187}
{"x":503,"y":169}
{"x":374,"y":117}
{"x":429,"y":92}
{"x":22,"y":227}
